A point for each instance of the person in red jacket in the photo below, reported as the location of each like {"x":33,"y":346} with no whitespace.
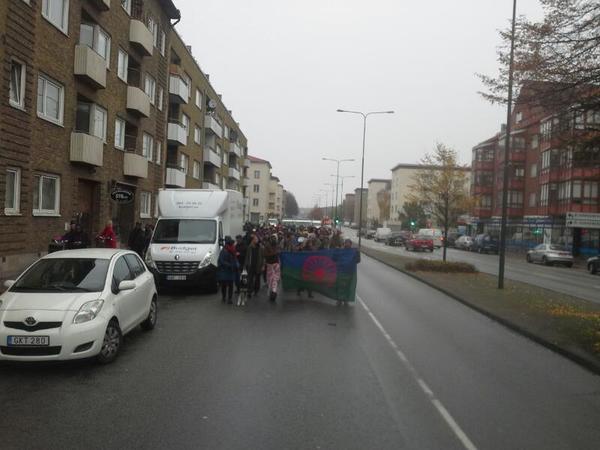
{"x":108,"y":236}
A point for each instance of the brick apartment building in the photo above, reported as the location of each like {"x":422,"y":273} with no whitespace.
{"x":84,"y":105}
{"x":550,"y":176}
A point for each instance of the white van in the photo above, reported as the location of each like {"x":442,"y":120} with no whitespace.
{"x":188,"y":236}
{"x":382,"y":233}
{"x":434,"y":233}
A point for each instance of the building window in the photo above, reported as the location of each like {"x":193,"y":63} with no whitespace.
{"x":196,"y":171}
{"x":184,"y":163}
{"x":153,"y":27}
{"x":147,"y":146}
{"x":163,"y":42}
{"x":188,"y":82}
{"x":91,"y":118}
{"x":96,"y":38}
{"x":519,"y":117}
{"x":185,"y":121}
{"x":119,"y":133}
{"x":17,"y":84}
{"x":535,"y":141}
{"x":255,"y":202}
{"x":122,"y":65}
{"x":533,"y":170}
{"x":150,"y":88}
{"x":145,"y":204}
{"x":515,"y":199}
{"x":50,"y":100}
{"x":57,"y":13}
{"x":159,"y":100}
{"x":158,"y":152}
{"x":46,"y":195}
{"x":256,"y":188}
{"x":197,"y":134}
{"x":126,"y":4}
{"x":519,"y":172}
{"x":12,"y":193}
{"x":198,"y":99}
{"x":257,"y":174}
{"x":532,"y":200}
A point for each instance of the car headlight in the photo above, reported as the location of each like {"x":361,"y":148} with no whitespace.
{"x":205,"y":261}
{"x":88,"y":311}
{"x":149,"y":261}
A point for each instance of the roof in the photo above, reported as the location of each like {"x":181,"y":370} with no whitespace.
{"x":256,"y":160}
{"x":170,"y":9}
{"x":491,"y":140}
{"x":424,"y":166}
{"x":379,"y":180}
{"x":96,"y":253}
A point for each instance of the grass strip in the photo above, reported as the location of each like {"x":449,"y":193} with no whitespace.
{"x":563,"y":323}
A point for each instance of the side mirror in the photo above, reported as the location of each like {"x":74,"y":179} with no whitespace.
{"x":8,"y":283}
{"x":127,"y":285}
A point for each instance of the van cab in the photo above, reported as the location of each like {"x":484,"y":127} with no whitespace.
{"x":435,"y":234}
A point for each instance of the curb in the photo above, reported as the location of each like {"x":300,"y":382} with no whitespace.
{"x":587,"y":363}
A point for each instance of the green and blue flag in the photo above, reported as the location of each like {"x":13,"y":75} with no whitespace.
{"x":329,"y":272}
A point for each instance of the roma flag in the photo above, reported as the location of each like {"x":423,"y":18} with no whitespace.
{"x":329,"y":272}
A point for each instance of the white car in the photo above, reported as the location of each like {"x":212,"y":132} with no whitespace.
{"x":76,"y":304}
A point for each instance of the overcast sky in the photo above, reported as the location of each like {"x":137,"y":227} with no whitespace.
{"x":285,"y":66}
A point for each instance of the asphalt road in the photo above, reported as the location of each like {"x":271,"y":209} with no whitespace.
{"x":572,"y":281}
{"x":404,"y":368}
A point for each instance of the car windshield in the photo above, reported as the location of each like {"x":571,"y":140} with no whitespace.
{"x":64,"y":275}
{"x":185,"y":231}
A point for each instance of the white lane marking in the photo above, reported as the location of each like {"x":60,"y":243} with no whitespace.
{"x":456,"y":429}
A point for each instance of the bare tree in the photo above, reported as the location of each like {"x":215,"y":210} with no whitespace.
{"x":440,"y":188}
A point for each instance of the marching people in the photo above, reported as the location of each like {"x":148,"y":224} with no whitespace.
{"x":148,"y":230}
{"x":108,"y":237}
{"x":254,"y":263}
{"x":273,"y":268}
{"x":227,"y":268}
{"x":75,"y":238}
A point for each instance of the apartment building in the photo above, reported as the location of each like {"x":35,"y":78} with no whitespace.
{"x":206,"y":147}
{"x":82,"y":117}
{"x":553,"y":180}
{"x":375,"y":186}
{"x":403,"y":176}
{"x":265,"y":192}
{"x":348,"y":207}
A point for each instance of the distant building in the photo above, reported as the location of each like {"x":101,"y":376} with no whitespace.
{"x":376,"y":187}
{"x":348,"y":208}
{"x":357,"y":205}
{"x":265,"y":192}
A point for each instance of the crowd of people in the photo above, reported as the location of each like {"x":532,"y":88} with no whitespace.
{"x":257,"y":256}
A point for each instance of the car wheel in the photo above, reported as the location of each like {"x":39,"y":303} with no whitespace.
{"x":150,"y":321}
{"x":570,"y":264}
{"x":593,"y":268}
{"x":545,"y":261}
{"x":529,"y":260}
{"x":113,"y":339}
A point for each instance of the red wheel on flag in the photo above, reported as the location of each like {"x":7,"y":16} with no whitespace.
{"x":319,"y":270}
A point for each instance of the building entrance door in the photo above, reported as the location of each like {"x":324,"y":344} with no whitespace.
{"x":124,"y":215}
{"x":87,"y":210}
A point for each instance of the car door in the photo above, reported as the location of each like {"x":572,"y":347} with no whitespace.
{"x":144,"y":281}
{"x":538,"y":252}
{"x":124,"y":300}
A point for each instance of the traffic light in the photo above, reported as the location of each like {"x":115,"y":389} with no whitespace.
{"x":413,"y":223}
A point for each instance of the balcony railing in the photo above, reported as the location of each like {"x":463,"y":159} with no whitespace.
{"x":90,"y":66}
{"x":86,"y":149}
{"x":141,"y":37}
{"x":177,"y":134}
{"x":212,"y":126}
{"x":209,"y":185}
{"x":138,"y":101}
{"x":235,"y":149}
{"x":178,"y":90}
{"x":175,"y":176}
{"x":234,"y":173}
{"x":211,"y":157}
{"x":135,"y":165}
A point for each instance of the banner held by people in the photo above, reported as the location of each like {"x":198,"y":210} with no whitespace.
{"x":332,"y":272}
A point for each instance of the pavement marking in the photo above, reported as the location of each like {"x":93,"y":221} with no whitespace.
{"x":460,"y":434}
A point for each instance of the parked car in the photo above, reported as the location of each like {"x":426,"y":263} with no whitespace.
{"x":593,"y":264}
{"x":369,"y":234}
{"x":76,"y":304}
{"x":419,"y":242}
{"x":464,"y":243}
{"x":452,"y":237}
{"x":484,"y":243}
{"x":550,"y":254}
{"x":381,"y":234}
{"x":435,"y":234}
{"x":397,"y":238}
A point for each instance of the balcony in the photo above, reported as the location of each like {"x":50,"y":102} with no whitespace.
{"x":90,"y":66}
{"x":138,"y":101}
{"x":178,"y":91}
{"x":175,"y":177}
{"x":102,"y":5}
{"x":235,"y":149}
{"x":86,"y":149}
{"x":213,"y":127}
{"x":483,"y":165}
{"x":247,"y":163}
{"x":478,"y":189}
{"x":209,"y":185}
{"x":211,"y":157}
{"x":141,"y":37}
{"x":234,"y":173}
{"x":177,"y":133}
{"x":135,"y":165}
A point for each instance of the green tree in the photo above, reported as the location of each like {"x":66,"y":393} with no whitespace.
{"x":291,"y":205}
{"x":441,"y":188}
{"x":412,"y":213}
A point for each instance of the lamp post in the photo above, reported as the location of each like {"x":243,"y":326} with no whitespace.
{"x":326,"y":191}
{"x":337,"y":181}
{"x":341,"y":178}
{"x":332,"y":200}
{"x":502,"y":249}
{"x":362,"y":167}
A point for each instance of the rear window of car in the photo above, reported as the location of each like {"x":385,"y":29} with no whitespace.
{"x":557,"y":248}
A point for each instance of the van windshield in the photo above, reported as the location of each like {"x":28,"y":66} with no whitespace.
{"x":185,"y":231}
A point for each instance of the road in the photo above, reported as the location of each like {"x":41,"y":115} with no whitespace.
{"x":406,"y":367}
{"x":572,"y":281}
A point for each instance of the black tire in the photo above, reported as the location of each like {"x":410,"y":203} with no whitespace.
{"x":529,"y":260}
{"x":593,"y":268}
{"x":150,"y":321}
{"x":111,"y":344}
{"x":545,"y":261}
{"x":569,"y":265}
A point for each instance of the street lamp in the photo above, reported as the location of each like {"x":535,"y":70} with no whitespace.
{"x":326,"y":191}
{"x":502,"y":249}
{"x":337,"y":181}
{"x":362,"y":167}
{"x":342,"y":189}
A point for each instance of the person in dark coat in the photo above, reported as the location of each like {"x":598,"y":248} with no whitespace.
{"x":137,"y":241}
{"x":240,"y":249}
{"x":254,"y":263}
{"x":75,"y":238}
{"x":227,"y":268}
{"x":149,"y":229}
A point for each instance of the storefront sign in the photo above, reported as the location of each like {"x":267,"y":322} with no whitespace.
{"x":583,"y":220}
{"x":121,"y":196}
